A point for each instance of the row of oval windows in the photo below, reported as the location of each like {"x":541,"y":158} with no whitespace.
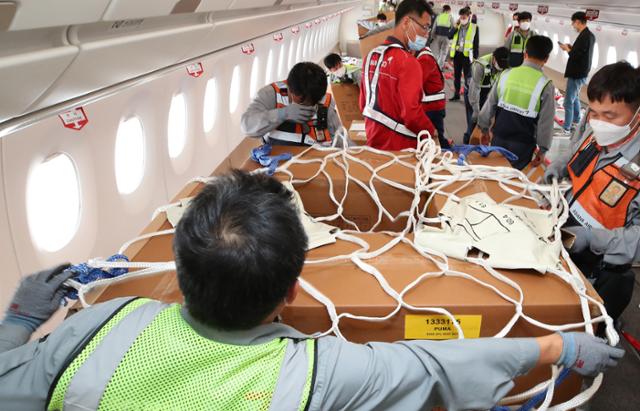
{"x":612,"y":52}
{"x":53,"y":225}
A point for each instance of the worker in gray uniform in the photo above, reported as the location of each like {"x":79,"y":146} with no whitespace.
{"x":604,"y":168}
{"x":297,"y":111}
{"x":239,"y":249}
{"x":523,"y":104}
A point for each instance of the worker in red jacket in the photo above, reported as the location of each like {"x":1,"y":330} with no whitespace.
{"x":391,"y":93}
{"x":434,"y":99}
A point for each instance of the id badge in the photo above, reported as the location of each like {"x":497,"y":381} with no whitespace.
{"x":613,"y":192}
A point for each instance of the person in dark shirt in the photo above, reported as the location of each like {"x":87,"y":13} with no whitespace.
{"x":577,"y":70}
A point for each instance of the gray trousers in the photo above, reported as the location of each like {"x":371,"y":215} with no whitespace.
{"x":440,"y":48}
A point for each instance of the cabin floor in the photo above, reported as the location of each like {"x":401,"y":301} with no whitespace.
{"x":619,"y":390}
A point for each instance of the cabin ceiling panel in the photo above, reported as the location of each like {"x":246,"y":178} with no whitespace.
{"x":38,"y":13}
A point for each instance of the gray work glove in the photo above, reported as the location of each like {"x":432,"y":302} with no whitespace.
{"x":587,"y":355}
{"x":296,"y":113}
{"x":582,"y":238}
{"x":38,"y":297}
{"x":557,"y":170}
{"x":474,"y":117}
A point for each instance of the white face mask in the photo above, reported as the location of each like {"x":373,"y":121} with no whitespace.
{"x":464,"y":20}
{"x":525,"y":25}
{"x":497,"y":66}
{"x":609,"y":133}
{"x":340,"y":72}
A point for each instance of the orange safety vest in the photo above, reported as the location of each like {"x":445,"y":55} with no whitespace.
{"x":601,"y":197}
{"x":294,"y":132}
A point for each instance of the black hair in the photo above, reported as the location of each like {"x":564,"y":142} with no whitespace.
{"x":516,"y":14}
{"x":332,"y":60}
{"x":381,"y":16}
{"x":501,"y":54}
{"x":619,"y":81}
{"x":539,"y":47}
{"x":446,"y":7}
{"x":417,"y":7}
{"x":239,"y":248}
{"x":308,"y":81}
{"x":524,"y":15}
{"x":465,"y":11}
{"x":581,"y":16}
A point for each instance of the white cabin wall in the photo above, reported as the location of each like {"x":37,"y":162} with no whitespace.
{"x":10,"y":271}
{"x":108,"y":218}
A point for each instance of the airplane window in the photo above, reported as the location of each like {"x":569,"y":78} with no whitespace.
{"x":611,"y":55}
{"x":555,"y":44}
{"x":129,"y":155}
{"x":210,"y":105}
{"x":269,"y":70}
{"x":281,"y":62}
{"x":176,"y":127}
{"x":292,"y":50}
{"x":632,"y":58}
{"x":255,"y":72}
{"x":234,"y":92}
{"x":53,"y":224}
{"x":596,"y":56}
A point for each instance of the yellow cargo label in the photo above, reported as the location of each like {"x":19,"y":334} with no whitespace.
{"x":440,"y":327}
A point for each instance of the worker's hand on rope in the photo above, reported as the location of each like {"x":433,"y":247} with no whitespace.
{"x":38,"y":297}
{"x":538,"y":158}
{"x":555,"y":170}
{"x":296,"y":113}
{"x":587,"y":355}
{"x":582,"y":238}
{"x":474,"y":117}
{"x":485,"y":138}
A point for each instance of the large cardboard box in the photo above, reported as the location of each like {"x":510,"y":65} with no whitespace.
{"x":359,"y":207}
{"x":391,"y":15}
{"x":369,"y":43}
{"x":346,"y":97}
{"x":546,"y":298}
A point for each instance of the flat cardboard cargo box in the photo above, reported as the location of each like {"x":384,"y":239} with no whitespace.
{"x":359,"y":207}
{"x":346,"y":97}
{"x":546,"y":297}
{"x":369,"y":43}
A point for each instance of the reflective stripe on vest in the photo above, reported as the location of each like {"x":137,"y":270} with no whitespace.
{"x":520,"y":90}
{"x":601,"y":197}
{"x":440,"y":95}
{"x":150,"y":358}
{"x":519,"y":47}
{"x":488,"y":78}
{"x":371,"y":93}
{"x":468,"y":41}
{"x":295,"y":132}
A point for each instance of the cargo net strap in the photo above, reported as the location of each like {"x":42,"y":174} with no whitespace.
{"x":434,"y":172}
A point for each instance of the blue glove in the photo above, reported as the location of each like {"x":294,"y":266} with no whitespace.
{"x":38,"y":297}
{"x":464,"y":150}
{"x":262,"y":156}
{"x":586,"y":354}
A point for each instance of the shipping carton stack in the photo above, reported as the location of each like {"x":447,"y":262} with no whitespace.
{"x":480,"y":311}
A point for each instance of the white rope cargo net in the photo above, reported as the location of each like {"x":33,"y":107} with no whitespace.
{"x":434,"y":171}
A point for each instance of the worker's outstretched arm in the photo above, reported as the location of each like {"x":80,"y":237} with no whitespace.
{"x":262,"y":115}
{"x":27,"y":371}
{"x":477,"y":74}
{"x":38,"y":296}
{"x":455,"y":374}
{"x":488,"y":110}
{"x":546,"y":117}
